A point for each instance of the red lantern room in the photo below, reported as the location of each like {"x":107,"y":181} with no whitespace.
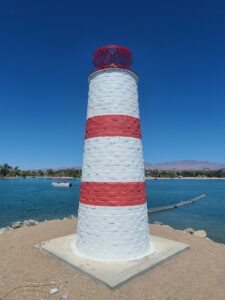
{"x":112,"y":57}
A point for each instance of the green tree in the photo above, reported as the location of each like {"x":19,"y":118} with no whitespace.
{"x":50,"y":172}
{"x":40,"y":173}
{"x":5,"y":169}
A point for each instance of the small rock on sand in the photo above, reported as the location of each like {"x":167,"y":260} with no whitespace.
{"x":64,"y":297}
{"x":30,"y":222}
{"x":200,"y":233}
{"x":53,"y":291}
{"x":17,"y":224}
{"x":5,"y":229}
{"x":189,"y":230}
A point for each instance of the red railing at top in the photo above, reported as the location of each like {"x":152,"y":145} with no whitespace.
{"x":112,"y":57}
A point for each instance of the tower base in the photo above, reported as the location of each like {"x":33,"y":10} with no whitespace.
{"x":112,"y":274}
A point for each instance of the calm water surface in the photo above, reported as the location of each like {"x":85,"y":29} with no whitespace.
{"x":22,"y":199}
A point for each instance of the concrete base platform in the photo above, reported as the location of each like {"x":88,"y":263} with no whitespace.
{"x":116,"y":273}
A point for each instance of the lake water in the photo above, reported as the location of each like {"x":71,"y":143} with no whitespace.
{"x":22,"y":199}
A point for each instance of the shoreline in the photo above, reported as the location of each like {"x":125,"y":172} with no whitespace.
{"x":146,"y":178}
{"x":184,"y":178}
{"x":30,"y":223}
{"x":39,"y":177}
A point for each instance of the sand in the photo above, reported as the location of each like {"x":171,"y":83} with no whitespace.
{"x":198,"y":273}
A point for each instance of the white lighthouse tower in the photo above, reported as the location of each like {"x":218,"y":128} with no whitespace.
{"x":112,"y":218}
{"x":112,"y":243}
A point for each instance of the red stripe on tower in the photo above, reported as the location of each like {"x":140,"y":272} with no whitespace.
{"x":113,"y":194}
{"x":113,"y":125}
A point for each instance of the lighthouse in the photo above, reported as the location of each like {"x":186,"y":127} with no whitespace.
{"x":112,"y":217}
{"x":112,"y":242}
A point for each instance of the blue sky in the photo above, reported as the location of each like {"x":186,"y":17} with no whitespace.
{"x":45,"y":52}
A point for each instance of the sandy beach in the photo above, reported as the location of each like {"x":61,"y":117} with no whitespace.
{"x":198,"y":273}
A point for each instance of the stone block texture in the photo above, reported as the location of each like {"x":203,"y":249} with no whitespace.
{"x":112,"y":217}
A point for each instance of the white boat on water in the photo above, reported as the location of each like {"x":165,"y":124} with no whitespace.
{"x":61,"y":182}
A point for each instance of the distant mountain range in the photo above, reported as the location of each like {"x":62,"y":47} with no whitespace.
{"x":179,"y":165}
{"x":186,"y":165}
{"x":55,"y":169}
